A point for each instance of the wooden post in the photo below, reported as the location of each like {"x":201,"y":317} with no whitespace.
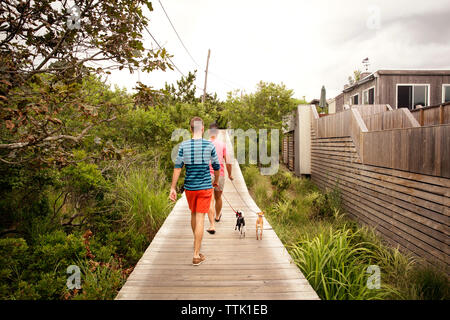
{"x":206,"y":77}
{"x":441,"y":114}
{"x":421,"y":117}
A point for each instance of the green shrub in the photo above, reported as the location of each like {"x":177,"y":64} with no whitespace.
{"x":13,"y":259}
{"x":143,"y":195}
{"x":251,"y":175}
{"x":324,"y":205}
{"x":281,"y":180}
{"x":336,"y":267}
{"x":99,"y":281}
{"x":261,"y":194}
{"x":57,"y":251}
{"x":428,"y":283}
{"x":83,"y":178}
{"x":37,"y":272}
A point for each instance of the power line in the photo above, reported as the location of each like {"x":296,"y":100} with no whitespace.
{"x":179,"y":38}
{"x":145,"y":27}
{"x":225,"y":81}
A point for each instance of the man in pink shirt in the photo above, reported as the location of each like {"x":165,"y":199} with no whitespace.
{"x":215,"y":211}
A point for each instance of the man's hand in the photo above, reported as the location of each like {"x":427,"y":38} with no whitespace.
{"x":173,"y":191}
{"x":230,"y":177}
{"x":173,"y":194}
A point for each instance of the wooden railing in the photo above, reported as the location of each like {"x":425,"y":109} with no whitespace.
{"x":434,"y":115}
{"x":395,"y":119}
{"x":391,"y":139}
{"x":394,"y":176}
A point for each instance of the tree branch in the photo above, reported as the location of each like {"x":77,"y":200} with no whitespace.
{"x":76,"y":139}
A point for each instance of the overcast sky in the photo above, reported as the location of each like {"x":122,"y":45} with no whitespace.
{"x":304,"y":44}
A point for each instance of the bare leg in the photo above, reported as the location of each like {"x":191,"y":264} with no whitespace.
{"x":211,"y":214}
{"x":198,"y":233}
{"x":218,"y":202}
{"x":193,"y":222}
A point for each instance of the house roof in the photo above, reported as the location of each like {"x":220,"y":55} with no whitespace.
{"x":415,"y":72}
{"x":375,"y":74}
{"x":368,"y":78}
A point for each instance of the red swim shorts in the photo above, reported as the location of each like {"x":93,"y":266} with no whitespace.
{"x":199,"y":200}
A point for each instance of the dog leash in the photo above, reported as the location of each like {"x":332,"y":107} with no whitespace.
{"x":228,"y":203}
{"x":245,"y":202}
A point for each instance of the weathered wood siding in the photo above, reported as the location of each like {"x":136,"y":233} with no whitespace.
{"x":288,"y":151}
{"x":385,"y":83}
{"x":394,"y":119}
{"x":388,"y":84}
{"x":409,"y":210}
{"x":398,"y":182}
{"x":433,"y":115}
{"x":424,"y":150}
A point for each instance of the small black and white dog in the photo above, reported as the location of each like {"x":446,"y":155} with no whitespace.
{"x":240,"y":223}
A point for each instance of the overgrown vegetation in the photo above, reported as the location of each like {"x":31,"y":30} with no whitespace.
{"x":334,"y":252}
{"x":98,"y":200}
{"x":84,"y":168}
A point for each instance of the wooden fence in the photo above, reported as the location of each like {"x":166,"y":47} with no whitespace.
{"x":396,"y":180}
{"x":400,"y":118}
{"x":434,"y":115}
{"x":288,"y":155}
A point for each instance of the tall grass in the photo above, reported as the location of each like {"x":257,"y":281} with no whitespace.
{"x":143,"y":195}
{"x":334,"y":251}
{"x":335,"y":266}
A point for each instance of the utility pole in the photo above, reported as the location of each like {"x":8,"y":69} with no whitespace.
{"x":206,"y":77}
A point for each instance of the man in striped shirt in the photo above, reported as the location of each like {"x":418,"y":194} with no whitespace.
{"x":196,"y":154}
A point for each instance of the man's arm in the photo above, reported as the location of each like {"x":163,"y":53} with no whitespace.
{"x":179,"y":163}
{"x":216,"y":166}
{"x":216,"y":177}
{"x":173,"y":191}
{"x":228,"y":163}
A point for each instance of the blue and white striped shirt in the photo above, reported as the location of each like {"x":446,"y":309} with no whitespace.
{"x":196,"y":154}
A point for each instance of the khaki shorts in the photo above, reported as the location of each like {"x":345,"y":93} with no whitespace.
{"x":221,"y":183}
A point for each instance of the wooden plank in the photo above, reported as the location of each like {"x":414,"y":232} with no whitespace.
{"x":431,"y":236}
{"x":429,"y":180}
{"x":222,"y":289}
{"x":419,"y":198}
{"x":222,"y":296}
{"x":412,"y":211}
{"x":424,"y":191}
{"x":401,"y":200}
{"x":266,"y":270}
{"x":390,"y":232}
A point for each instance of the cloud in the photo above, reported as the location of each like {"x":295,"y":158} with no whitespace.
{"x":305,"y":44}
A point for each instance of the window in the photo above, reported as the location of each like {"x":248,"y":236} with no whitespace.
{"x":354,"y":99}
{"x":412,"y":95}
{"x":369,"y":96}
{"x":445,"y":93}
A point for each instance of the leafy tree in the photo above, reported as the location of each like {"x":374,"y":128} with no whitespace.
{"x":263,"y":109}
{"x":184,"y":91}
{"x":355,"y":78}
{"x":47,"y":49}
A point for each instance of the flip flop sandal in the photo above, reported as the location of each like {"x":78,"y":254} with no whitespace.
{"x":198,"y":261}
{"x":217,"y":220}
{"x":211,"y":231}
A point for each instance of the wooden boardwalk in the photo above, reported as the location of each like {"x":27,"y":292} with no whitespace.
{"x":244,"y":269}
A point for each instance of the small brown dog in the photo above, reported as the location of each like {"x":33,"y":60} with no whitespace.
{"x":259,"y":226}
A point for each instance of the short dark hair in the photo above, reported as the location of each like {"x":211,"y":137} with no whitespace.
{"x":213,"y":126}
{"x":194,"y":120}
